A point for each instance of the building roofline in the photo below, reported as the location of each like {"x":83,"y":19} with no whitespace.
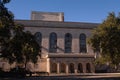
{"x":56,"y":24}
{"x":53,"y":55}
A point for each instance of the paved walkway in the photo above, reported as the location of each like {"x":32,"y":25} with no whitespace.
{"x":89,"y":76}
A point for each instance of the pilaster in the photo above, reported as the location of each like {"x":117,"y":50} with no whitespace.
{"x":58,"y":68}
{"x":67,"y":71}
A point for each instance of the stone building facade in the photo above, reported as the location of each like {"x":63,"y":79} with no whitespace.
{"x":63,"y":45}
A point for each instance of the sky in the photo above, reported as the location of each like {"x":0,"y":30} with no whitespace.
{"x":94,"y":11}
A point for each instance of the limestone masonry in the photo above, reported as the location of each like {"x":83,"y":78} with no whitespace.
{"x":63,"y":45}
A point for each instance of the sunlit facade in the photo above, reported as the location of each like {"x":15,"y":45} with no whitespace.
{"x":63,"y":45}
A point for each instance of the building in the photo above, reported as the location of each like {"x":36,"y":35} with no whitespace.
{"x":64,"y":47}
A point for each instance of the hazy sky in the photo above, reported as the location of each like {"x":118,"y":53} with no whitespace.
{"x":94,"y":11}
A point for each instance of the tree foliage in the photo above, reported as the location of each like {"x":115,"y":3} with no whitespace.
{"x":4,"y":1}
{"x":6,"y":24}
{"x":16,"y":44}
{"x":22,"y":48}
{"x":106,"y":38}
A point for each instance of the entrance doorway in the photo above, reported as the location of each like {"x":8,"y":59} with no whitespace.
{"x":63,"y":68}
{"x":71,"y":68}
{"x":88,"y":68}
{"x":54,"y":68}
{"x":80,"y":68}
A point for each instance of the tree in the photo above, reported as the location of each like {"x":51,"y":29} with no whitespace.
{"x":4,"y":1}
{"x":19,"y":46}
{"x":23,"y":47}
{"x":106,"y":39}
{"x":30,"y":48}
{"x":6,"y":24}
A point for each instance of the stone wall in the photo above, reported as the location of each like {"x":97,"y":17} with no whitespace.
{"x":47,"y":16}
{"x":60,"y":38}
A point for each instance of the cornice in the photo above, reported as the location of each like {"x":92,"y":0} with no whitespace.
{"x":68,"y":55}
{"x":56,"y":24}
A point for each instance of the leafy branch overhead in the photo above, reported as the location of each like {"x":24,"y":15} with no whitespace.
{"x":16,"y":45}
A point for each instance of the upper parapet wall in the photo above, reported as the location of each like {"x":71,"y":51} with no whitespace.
{"x":56,"y":24}
{"x":47,"y":16}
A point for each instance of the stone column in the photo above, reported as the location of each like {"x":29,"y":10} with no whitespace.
{"x":75,"y":69}
{"x":67,"y":69}
{"x":48,"y":65}
{"x":84,"y":67}
{"x":58,"y":68}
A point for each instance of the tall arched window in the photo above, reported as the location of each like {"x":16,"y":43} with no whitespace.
{"x":53,"y":43}
{"x":68,"y":43}
{"x":38,"y":38}
{"x":82,"y":43}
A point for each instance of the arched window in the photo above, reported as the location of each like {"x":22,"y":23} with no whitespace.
{"x":80,"y":68}
{"x":71,"y":68}
{"x":62,"y":68}
{"x":53,"y":43}
{"x":38,"y":38}
{"x":53,"y":68}
{"x":88,"y":68}
{"x":68,"y":43}
{"x":83,"y":43}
